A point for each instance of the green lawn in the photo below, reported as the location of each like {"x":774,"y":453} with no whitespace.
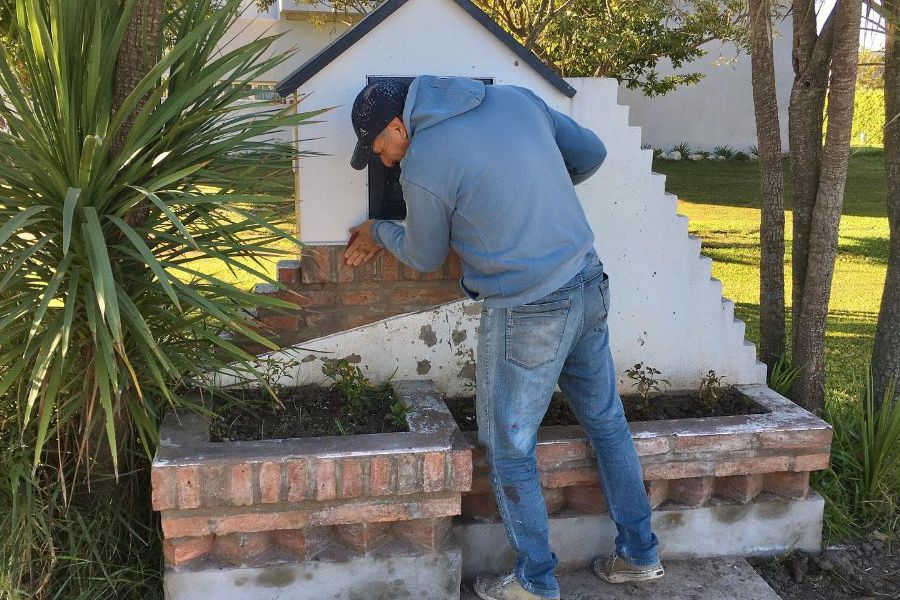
{"x":721,"y":199}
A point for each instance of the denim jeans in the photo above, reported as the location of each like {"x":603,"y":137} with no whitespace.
{"x":522,"y":353}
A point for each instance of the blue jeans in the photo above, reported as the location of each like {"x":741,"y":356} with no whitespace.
{"x":522,"y":353}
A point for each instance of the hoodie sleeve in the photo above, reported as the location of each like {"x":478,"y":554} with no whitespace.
{"x":424,"y":242}
{"x":581,"y":149}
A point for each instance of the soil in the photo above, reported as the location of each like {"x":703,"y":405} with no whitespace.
{"x":306,"y":411}
{"x":864,"y":570}
{"x":655,"y":408}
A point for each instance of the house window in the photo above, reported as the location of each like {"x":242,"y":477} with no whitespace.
{"x":385,"y":193}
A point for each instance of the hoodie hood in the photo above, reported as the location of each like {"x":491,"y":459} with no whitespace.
{"x":432,"y":100}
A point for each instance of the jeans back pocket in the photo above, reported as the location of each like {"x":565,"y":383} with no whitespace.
{"x":534,"y":332}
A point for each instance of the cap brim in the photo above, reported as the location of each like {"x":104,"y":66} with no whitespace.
{"x":361,"y":155}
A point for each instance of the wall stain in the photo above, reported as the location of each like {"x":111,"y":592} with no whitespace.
{"x":428,"y":336}
{"x":459,"y":336}
{"x":468,"y":371}
{"x":276,"y":577}
{"x":309,"y":358}
{"x":353,"y":359}
{"x":380,"y":590}
{"x":423,"y":367}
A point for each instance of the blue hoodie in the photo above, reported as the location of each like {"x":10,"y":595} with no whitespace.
{"x":490,"y":171}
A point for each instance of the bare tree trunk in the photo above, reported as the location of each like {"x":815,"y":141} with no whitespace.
{"x":809,"y":343}
{"x":886,"y":355}
{"x":768,"y":135}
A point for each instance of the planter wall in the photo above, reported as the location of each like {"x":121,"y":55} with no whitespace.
{"x":331,"y":517}
{"x":719,"y":486}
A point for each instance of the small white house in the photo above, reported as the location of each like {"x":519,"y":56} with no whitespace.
{"x":666,"y":311}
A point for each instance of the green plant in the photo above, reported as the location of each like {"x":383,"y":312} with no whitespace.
{"x":783,"y":375}
{"x":725,"y":151}
{"x":399,"y":410}
{"x":349,"y":380}
{"x":104,"y":317}
{"x":862,"y":485}
{"x":684,"y":148}
{"x":711,"y":388}
{"x":740,"y":155}
{"x":645,"y":379}
{"x":342,"y":429}
{"x":753,"y":150}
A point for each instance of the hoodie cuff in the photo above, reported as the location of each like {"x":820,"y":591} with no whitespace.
{"x":375,"y":235}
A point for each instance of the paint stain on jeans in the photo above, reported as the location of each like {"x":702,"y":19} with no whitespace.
{"x":511,"y":493}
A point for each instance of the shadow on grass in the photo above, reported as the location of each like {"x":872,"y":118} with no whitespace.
{"x":870,"y":249}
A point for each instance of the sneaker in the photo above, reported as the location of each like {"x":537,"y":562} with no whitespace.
{"x":617,"y":569}
{"x":504,"y":587}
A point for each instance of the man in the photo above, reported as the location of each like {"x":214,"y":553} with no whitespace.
{"x":490,"y":171}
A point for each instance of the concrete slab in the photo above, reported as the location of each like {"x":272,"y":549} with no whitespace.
{"x":766,"y":526}
{"x":435,"y":576}
{"x":698,"y":579}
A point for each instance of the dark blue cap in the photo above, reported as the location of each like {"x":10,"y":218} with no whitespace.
{"x":376,"y":105}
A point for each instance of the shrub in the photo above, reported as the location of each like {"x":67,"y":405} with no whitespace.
{"x":868,"y":118}
{"x":726,"y":151}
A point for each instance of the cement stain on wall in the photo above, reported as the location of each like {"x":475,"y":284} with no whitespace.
{"x":423,"y":367}
{"x":277,"y":577}
{"x":428,"y":336}
{"x":459,"y":336}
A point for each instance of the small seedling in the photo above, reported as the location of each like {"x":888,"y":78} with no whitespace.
{"x":342,"y":429}
{"x":399,"y":410}
{"x":711,"y":388}
{"x":645,"y":379}
{"x":349,"y":380}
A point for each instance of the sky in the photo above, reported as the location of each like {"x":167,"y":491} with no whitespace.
{"x":867,"y":39}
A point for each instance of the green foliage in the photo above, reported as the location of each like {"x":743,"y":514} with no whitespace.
{"x":783,"y":375}
{"x":862,"y":485}
{"x":868,"y":117}
{"x":712,"y":388}
{"x":684,"y":148}
{"x":870,"y":73}
{"x":726,"y":151}
{"x":399,"y":410}
{"x":349,"y":380}
{"x":645,"y":379}
{"x":740,"y":155}
{"x":104,"y":320}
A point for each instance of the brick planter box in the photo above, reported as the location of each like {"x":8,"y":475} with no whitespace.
{"x":719,"y":486}
{"x":330,"y":517}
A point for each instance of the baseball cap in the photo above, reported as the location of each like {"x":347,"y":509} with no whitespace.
{"x":375,"y":106}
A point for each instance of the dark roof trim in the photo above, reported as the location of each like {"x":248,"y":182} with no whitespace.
{"x":318,"y":62}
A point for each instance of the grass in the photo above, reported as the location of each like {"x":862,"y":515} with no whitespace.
{"x":721,"y":201}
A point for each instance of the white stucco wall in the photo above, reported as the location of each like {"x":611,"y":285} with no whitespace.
{"x":666,"y":309}
{"x":719,"y":109}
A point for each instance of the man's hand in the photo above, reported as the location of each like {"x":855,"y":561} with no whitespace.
{"x":362,"y":248}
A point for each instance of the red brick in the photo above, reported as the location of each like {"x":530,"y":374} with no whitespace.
{"x":479,"y":458}
{"x":241,"y":485}
{"x":586,"y":499}
{"x":269,"y":482}
{"x":423,"y":297}
{"x":377,"y":511}
{"x":554,"y":499}
{"x":288,"y":275}
{"x":379,"y":476}
{"x":359,"y":297}
{"x":387,"y":267}
{"x":812,"y":462}
{"x":345,"y":273}
{"x":362,"y":537}
{"x":428,"y":533}
{"x":481,"y":483}
{"x":454,"y":266}
{"x":316,"y":265}
{"x":437,"y":275}
{"x":811,"y":439}
{"x":408,"y":474}
{"x":555,"y":453}
{"x":188,"y":481}
{"x":326,"y":479}
{"x":179,"y":551}
{"x":677,"y":470}
{"x":570,"y":477}
{"x":479,"y":507}
{"x":281,"y":323}
{"x":695,"y":491}
{"x":713,"y":443}
{"x":351,"y":478}
{"x":297,"y":479}
{"x":433,"y":472}
{"x":367,"y":272}
{"x":409,"y":274}
{"x":319,"y":297}
{"x":238,"y":548}
{"x":292,"y":540}
{"x":358,"y":320}
{"x":651,"y":446}
{"x":461,"y":470}
{"x":657,"y":491}
{"x":162,"y":481}
{"x":214,"y":485}
{"x":741,"y":488}
{"x":791,"y":485}
{"x":747,"y":466}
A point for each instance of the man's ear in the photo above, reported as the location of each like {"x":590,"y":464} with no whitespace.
{"x":397,"y":124}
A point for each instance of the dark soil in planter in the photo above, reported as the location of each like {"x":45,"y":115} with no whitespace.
{"x":859,"y":571}
{"x":307,"y":411}
{"x":655,"y":408}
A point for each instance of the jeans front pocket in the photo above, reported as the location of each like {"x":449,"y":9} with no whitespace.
{"x":534,"y":332}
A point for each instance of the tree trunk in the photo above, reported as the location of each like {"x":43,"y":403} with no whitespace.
{"x":768,"y":135}
{"x":809,"y":343}
{"x":886,"y":355}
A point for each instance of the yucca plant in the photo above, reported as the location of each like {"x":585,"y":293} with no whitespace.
{"x":106,"y":207}
{"x":783,"y":375}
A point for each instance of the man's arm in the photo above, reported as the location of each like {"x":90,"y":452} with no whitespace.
{"x":424,"y":242}
{"x":581,"y":149}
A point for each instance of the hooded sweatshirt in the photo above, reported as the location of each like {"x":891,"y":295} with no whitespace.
{"x":490,"y":171}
